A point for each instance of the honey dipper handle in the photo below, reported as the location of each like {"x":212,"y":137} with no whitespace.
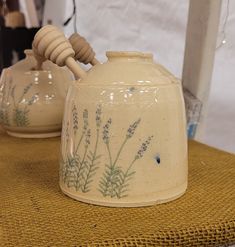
{"x":83,"y":51}
{"x":38,"y":58}
{"x":50,"y":43}
{"x":94,"y":61}
{"x":73,"y":66}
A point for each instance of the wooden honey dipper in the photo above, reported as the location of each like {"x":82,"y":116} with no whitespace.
{"x":40,"y":59}
{"x":83,"y":51}
{"x":50,"y":43}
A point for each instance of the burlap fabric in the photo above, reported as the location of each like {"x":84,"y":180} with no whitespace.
{"x":33,"y":211}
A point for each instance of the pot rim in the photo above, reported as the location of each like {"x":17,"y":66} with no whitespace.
{"x":129,"y":54}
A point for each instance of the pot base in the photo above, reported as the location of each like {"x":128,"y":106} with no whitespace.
{"x":34,"y":135}
{"x":163,"y":198}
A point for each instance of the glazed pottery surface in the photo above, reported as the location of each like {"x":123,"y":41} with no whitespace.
{"x":32,"y":101}
{"x":124,"y":137}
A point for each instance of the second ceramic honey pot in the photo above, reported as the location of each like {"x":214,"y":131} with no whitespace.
{"x":32,"y":98}
{"x":124,"y":140}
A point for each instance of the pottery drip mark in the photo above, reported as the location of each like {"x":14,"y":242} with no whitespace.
{"x":21,"y":106}
{"x":80,"y":167}
{"x":115,"y":180}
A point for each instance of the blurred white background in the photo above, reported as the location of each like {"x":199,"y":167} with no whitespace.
{"x":158,"y":26}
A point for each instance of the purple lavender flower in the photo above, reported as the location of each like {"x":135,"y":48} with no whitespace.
{"x":75,"y":117}
{"x":143,"y":148}
{"x":85,"y":120}
{"x":26,"y":89}
{"x":33,"y":99}
{"x":67,"y":132}
{"x":88,"y":136}
{"x":106,"y":131}
{"x":98,"y":114}
{"x":132,"y":128}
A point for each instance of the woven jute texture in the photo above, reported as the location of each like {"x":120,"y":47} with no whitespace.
{"x":34,"y":212}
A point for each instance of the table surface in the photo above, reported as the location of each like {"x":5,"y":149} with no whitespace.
{"x":34,"y":212}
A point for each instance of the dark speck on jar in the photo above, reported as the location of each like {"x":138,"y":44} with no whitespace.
{"x":158,"y":159}
{"x":132,"y":89}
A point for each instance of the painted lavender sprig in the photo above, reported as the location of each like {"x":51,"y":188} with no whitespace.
{"x":110,"y":181}
{"x":75,"y":118}
{"x":21,"y":117}
{"x":67,"y":133}
{"x":92,"y":161}
{"x":84,"y":130}
{"x":132,"y":128}
{"x":6,"y":89}
{"x":130,"y":132}
{"x":77,"y":161}
{"x":69,"y":173}
{"x":88,"y":137}
{"x":106,"y":137}
{"x":82,"y":166}
{"x":124,"y":177}
{"x":82,"y":163}
{"x":25,"y":91}
{"x":143,"y":148}
{"x":27,"y":88}
{"x":33,"y":99}
{"x":98,"y":116}
{"x":85,"y":120}
{"x":106,"y":131}
{"x":85,"y":160}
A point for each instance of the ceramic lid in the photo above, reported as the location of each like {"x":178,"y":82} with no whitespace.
{"x":129,"y":68}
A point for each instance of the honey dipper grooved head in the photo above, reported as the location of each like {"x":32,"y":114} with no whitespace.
{"x":50,"y":42}
{"x":83,"y":51}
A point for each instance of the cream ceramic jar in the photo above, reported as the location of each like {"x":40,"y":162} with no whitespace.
{"x":32,"y":101}
{"x":124,"y":134}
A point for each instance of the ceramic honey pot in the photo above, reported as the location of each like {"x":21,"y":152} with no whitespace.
{"x":32,"y":101}
{"x":124,"y":138}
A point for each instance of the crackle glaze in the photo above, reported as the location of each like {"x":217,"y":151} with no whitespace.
{"x":32,"y":101}
{"x":124,"y":134}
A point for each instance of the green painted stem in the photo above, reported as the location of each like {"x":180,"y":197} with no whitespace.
{"x":129,"y":168}
{"x":93,"y":159}
{"x":79,"y":143}
{"x":80,"y":167}
{"x":66,"y":170}
{"x":110,"y":156}
{"x":23,"y":94}
{"x":118,"y":194}
{"x":20,"y":99}
{"x":120,"y":150}
{"x":112,"y":165}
